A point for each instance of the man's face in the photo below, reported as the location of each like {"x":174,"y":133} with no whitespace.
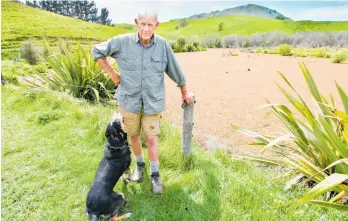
{"x":146,"y":26}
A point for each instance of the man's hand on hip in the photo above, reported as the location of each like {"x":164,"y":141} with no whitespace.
{"x":115,"y":77}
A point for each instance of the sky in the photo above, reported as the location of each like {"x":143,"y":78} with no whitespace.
{"x":122,"y":11}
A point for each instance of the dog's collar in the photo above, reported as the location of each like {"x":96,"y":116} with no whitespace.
{"x":117,"y":148}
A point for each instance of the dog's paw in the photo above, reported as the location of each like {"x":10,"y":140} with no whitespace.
{"x":117,"y":117}
{"x":125,"y":178}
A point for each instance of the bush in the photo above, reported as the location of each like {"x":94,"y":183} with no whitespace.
{"x":231,"y":41}
{"x":182,"y":23}
{"x":213,"y":42}
{"x":284,"y":50}
{"x":30,"y":52}
{"x":195,"y":44}
{"x":190,"y":48}
{"x":75,"y":72}
{"x":220,"y":26}
{"x":11,"y":71}
{"x":40,"y":68}
{"x":186,"y":45}
{"x":314,"y":144}
{"x":259,"y":50}
{"x":181,"y":42}
{"x":338,"y":57}
{"x":320,"y":53}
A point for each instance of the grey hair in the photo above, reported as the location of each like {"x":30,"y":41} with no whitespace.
{"x":148,"y":12}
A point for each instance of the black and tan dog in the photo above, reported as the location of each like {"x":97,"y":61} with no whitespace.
{"x":102,"y":201}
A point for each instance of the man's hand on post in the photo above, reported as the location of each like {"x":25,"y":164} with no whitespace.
{"x":187,"y":97}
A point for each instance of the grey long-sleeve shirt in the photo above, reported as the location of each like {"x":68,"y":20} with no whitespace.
{"x":142,"y":71}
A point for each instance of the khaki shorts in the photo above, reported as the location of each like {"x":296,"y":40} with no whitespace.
{"x":133,"y":122}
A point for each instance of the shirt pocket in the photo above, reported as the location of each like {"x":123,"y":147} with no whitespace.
{"x":127,"y":61}
{"x":158,"y":64}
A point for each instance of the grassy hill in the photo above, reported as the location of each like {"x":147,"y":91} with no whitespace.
{"x":20,"y":22}
{"x":245,"y":25}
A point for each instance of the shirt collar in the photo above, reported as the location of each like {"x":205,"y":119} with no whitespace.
{"x":137,"y":39}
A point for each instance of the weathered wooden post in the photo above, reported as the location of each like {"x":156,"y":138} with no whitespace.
{"x":187,"y":127}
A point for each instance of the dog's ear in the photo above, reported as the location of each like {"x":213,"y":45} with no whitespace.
{"x":107,"y":133}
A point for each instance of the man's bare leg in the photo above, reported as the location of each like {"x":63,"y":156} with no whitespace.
{"x":138,"y":174}
{"x":153,"y":153}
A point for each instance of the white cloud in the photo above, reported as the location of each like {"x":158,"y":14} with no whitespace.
{"x":325,"y":14}
{"x":122,"y":11}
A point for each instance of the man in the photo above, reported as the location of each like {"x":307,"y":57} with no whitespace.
{"x":142,"y":59}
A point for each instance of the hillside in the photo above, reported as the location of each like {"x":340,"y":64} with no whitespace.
{"x":250,"y":9}
{"x":20,"y":22}
{"x":244,"y":25}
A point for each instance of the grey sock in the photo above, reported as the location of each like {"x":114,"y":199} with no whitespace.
{"x":139,"y":159}
{"x":154,"y":166}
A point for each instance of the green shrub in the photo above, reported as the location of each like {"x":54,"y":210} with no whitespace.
{"x":186,"y":45}
{"x":259,"y":50}
{"x":338,"y":57}
{"x":12,"y":70}
{"x":320,"y":53}
{"x":75,"y":72}
{"x":181,"y":42}
{"x":196,"y":44}
{"x":314,"y":144}
{"x":284,"y":50}
{"x":30,"y":52}
{"x":183,"y":23}
{"x":220,"y":26}
{"x":299,"y":52}
{"x":190,"y":48}
{"x":40,"y":68}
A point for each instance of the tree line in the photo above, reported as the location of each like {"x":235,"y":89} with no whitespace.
{"x":84,"y":10}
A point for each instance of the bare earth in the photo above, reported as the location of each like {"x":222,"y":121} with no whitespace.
{"x":228,"y":93}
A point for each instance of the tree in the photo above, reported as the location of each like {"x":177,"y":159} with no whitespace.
{"x":85,"y":10}
{"x":280,"y":17}
{"x":221,"y":26}
{"x":183,"y":23}
{"x":104,"y":14}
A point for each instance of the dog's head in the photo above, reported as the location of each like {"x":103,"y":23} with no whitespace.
{"x":115,"y":135}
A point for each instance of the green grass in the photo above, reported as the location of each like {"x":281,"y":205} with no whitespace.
{"x":52,"y":145}
{"x":21,"y":22}
{"x":233,"y":24}
{"x":305,"y":52}
{"x":242,"y":25}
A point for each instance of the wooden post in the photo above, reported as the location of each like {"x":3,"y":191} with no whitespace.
{"x":187,"y":128}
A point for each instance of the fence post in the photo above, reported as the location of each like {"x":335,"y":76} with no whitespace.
{"x":187,"y":128}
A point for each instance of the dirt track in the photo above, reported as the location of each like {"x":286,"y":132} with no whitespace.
{"x":228,"y":93}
